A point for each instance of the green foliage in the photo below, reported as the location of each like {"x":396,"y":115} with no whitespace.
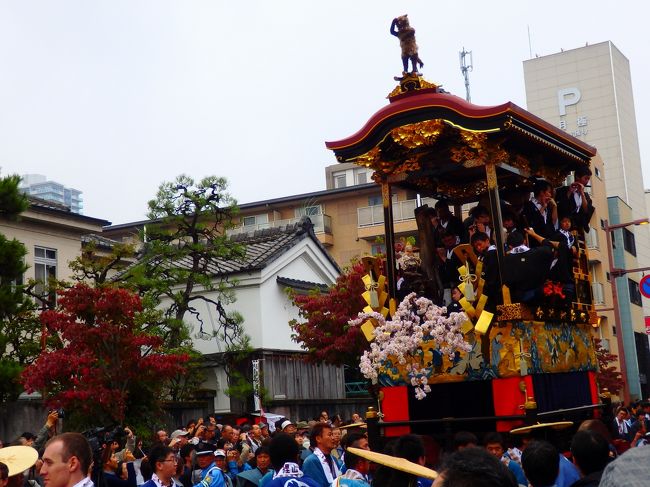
{"x":12,"y":201}
{"x":182,"y":269}
{"x":10,"y":371}
{"x":19,"y":326}
{"x":97,"y":266}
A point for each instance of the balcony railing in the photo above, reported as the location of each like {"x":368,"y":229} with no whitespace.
{"x":598,"y":292}
{"x":591,"y":239}
{"x":402,"y":210}
{"x":322,"y":224}
{"x":356,"y":389}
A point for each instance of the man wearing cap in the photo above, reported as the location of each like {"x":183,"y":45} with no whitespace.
{"x":220,"y":460}
{"x":288,"y":427}
{"x":211,"y":474}
{"x":320,"y":465}
{"x":179,"y":439}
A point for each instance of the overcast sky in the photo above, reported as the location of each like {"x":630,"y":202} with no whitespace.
{"x":113,"y":97}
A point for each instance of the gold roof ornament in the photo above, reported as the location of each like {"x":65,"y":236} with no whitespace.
{"x":410,"y":83}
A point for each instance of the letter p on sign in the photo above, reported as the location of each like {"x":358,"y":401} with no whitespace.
{"x":567,"y":97}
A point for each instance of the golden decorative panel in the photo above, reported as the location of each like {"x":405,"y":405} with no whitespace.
{"x":419,"y":134}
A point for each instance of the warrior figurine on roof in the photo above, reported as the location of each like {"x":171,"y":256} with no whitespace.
{"x":401,"y":29}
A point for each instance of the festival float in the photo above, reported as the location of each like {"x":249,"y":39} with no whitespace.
{"x":498,"y":363}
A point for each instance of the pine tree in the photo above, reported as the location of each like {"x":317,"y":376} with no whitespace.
{"x":19,"y":327}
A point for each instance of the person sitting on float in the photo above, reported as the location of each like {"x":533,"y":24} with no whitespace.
{"x":540,"y":213}
{"x":487,"y":253}
{"x":524,"y":269}
{"x":564,"y":251}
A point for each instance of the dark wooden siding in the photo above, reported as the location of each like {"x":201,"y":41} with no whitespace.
{"x":291,"y":376}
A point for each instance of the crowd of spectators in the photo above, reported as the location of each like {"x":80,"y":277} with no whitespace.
{"x":207,"y":453}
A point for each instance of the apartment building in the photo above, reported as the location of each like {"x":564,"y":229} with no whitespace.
{"x":348,"y":219}
{"x":52,"y":235}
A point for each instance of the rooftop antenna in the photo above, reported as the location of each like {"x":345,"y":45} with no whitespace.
{"x":530,"y":45}
{"x":465,"y":69}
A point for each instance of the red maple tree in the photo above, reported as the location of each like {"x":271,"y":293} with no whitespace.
{"x":608,"y":376}
{"x":107,"y":369}
{"x":323,"y":329}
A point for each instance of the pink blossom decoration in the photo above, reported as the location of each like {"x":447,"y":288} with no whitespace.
{"x":416,"y":320}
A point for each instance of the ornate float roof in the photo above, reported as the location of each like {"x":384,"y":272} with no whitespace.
{"x":438,"y":144}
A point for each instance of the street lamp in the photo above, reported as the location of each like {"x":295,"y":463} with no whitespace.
{"x":615,"y":273}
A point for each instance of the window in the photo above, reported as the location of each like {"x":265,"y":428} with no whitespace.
{"x":613,"y":330}
{"x":607,"y":275}
{"x":339,"y":179}
{"x":255,"y":220}
{"x":597,"y":172}
{"x":44,"y":270}
{"x":374,"y":200}
{"x":628,"y":241}
{"x":635,"y":292}
{"x":602,"y":224}
{"x":312,"y":210}
{"x":362,"y":176}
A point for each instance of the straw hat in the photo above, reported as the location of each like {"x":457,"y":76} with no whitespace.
{"x":559,"y":425}
{"x":397,"y":463}
{"x":18,"y":458}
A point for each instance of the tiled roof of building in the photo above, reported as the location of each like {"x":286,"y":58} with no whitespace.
{"x":98,"y":240}
{"x":262,"y":247}
{"x":45,"y":206}
{"x":300,"y":284}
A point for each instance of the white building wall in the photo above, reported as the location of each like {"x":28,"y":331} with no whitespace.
{"x":265,"y":308}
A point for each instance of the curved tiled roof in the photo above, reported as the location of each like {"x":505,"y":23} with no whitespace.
{"x":261,"y":248}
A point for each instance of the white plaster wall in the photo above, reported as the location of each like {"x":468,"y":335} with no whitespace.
{"x":247,"y":304}
{"x":305,"y":262}
{"x":263,"y":303}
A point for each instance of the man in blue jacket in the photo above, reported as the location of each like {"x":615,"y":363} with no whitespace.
{"x":321,"y":466}
{"x":211,"y":475}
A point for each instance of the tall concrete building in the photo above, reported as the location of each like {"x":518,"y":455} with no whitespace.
{"x":39,"y":186}
{"x":588,"y":92}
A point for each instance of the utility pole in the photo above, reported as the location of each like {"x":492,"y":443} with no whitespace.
{"x":465,"y":68}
